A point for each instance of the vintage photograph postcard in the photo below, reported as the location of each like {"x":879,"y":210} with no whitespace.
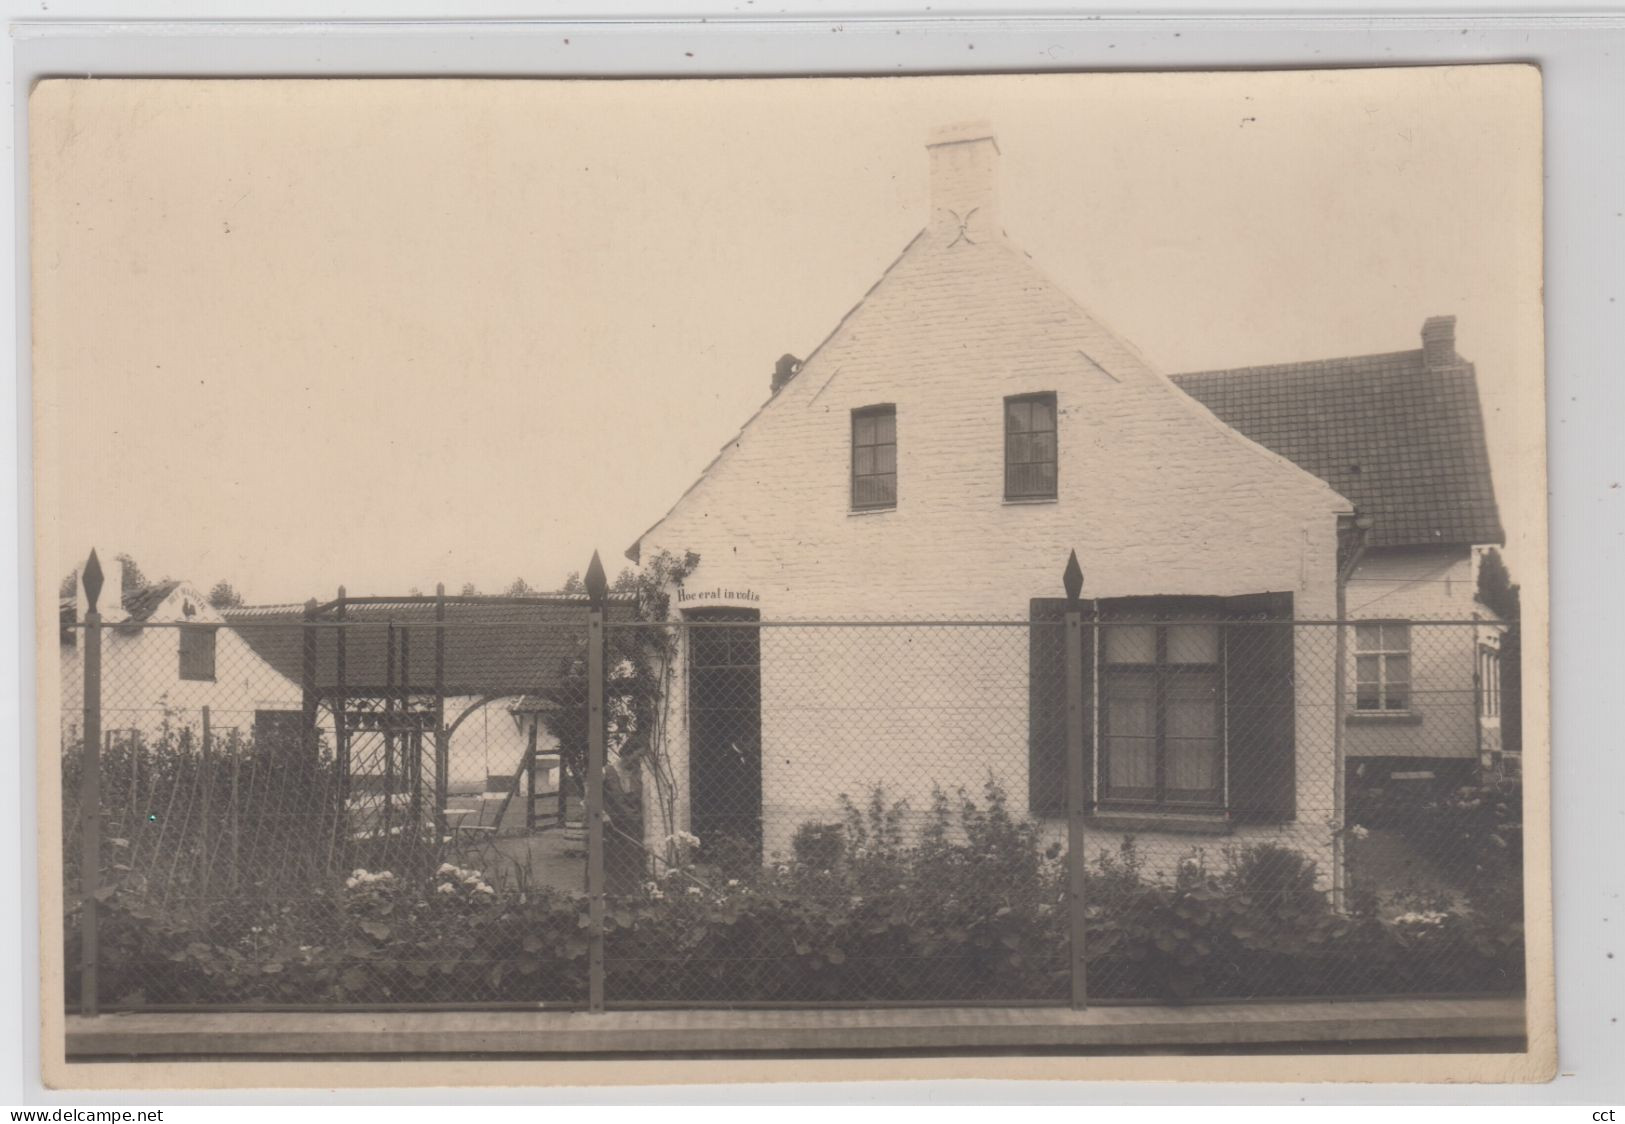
{"x":577,"y":581}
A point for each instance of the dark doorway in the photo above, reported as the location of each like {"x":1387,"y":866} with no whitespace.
{"x":725,"y":732}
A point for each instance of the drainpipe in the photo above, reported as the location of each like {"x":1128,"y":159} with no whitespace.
{"x":1361,"y":526}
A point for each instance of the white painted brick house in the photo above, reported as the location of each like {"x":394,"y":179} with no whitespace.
{"x":962,"y":429}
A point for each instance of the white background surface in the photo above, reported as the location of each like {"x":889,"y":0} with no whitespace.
{"x":1581,"y":57}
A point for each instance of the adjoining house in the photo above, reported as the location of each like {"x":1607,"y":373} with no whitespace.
{"x":166,"y":655}
{"x":963,"y":429}
{"x":1402,"y":436}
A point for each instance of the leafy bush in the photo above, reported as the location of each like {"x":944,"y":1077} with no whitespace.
{"x":972,"y":905}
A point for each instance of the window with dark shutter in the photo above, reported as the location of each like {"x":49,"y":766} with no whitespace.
{"x":197,"y":652}
{"x":874,"y":458}
{"x":1162,"y":712}
{"x":1029,"y":447}
{"x":1196,"y":706}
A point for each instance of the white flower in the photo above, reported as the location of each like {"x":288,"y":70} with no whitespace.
{"x":446,"y":868}
{"x":482,"y":888}
{"x":733,"y":881}
{"x":658,"y":895}
{"x":695,"y":890}
{"x":1359,"y":831}
{"x":783,"y":869}
{"x":445,"y":888}
{"x":351,"y":883}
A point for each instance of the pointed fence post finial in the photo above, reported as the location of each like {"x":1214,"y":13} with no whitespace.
{"x":1073,"y":578}
{"x":92,"y":577}
{"x":597,"y":584}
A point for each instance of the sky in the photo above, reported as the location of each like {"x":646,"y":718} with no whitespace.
{"x":387,"y":334}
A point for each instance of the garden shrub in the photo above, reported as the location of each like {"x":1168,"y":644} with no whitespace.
{"x":963,"y":903}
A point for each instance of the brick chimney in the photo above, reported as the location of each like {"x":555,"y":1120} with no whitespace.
{"x":1439,"y":342}
{"x":964,"y":196}
{"x":784,"y":370}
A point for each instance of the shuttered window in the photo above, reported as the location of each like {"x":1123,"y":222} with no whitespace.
{"x":197,"y":652}
{"x":1196,"y":705}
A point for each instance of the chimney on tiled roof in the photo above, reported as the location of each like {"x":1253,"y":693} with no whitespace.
{"x":964,"y":196}
{"x":1439,"y":341}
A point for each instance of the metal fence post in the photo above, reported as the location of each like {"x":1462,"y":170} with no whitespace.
{"x":90,"y":796}
{"x":597,"y":590}
{"x":1075,"y":793}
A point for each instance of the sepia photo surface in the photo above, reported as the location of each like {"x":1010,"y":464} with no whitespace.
{"x":1034,"y":574}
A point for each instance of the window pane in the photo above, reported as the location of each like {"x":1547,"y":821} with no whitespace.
{"x":1193,"y":643}
{"x":1043,"y":416}
{"x":863,"y":461}
{"x":1366,"y":669}
{"x":885,"y":490}
{"x":1396,"y":637}
{"x":1193,"y":767}
{"x":1044,"y":477}
{"x":885,"y":458}
{"x":1131,"y":763}
{"x":1018,"y":417}
{"x":863,"y":429}
{"x":1130,"y":643}
{"x":1192,"y":708}
{"x":1399,"y":670}
{"x":1365,"y":697}
{"x":1019,"y":448}
{"x":1368,"y":637}
{"x":1130,"y":703}
{"x":886,"y":427}
{"x":1043,"y":446}
{"x":1399,"y":696}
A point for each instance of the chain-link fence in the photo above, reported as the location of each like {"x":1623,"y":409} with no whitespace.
{"x":450,"y":801}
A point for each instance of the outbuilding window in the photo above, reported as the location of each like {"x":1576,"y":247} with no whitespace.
{"x":874,"y":458}
{"x":1382,"y":666}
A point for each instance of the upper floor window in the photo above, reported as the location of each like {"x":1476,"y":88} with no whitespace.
{"x":1382,"y":666}
{"x":197,"y":652}
{"x":1029,"y":447}
{"x":874,"y":457}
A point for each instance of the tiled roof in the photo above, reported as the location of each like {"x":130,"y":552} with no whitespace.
{"x":490,"y":648}
{"x":141,"y":603}
{"x":1404,"y":441}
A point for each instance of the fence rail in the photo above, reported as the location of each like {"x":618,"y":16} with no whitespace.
{"x":459,"y":802}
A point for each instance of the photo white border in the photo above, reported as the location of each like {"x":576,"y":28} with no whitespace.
{"x":1580,"y":56}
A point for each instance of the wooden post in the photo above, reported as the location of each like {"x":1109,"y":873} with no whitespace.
{"x":234,"y":810}
{"x":308,"y":685}
{"x":530,"y":776}
{"x":208,"y":784}
{"x":389,"y":732}
{"x":411,"y":745}
{"x":341,"y":726}
{"x":597,"y":589}
{"x":442,"y":739}
{"x":1075,"y":791}
{"x":90,"y":796}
